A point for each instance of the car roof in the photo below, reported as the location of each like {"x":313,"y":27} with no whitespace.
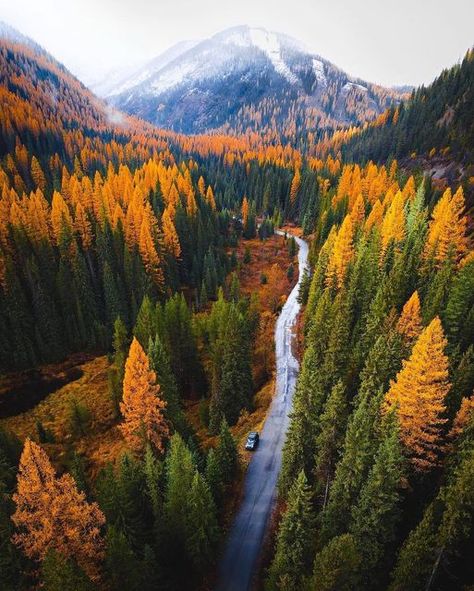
{"x":253,"y":434}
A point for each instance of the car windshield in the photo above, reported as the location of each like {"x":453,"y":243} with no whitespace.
{"x":252,"y":436}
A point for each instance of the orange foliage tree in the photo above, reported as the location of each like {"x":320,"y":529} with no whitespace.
{"x":52,"y":514}
{"x":409,"y":324}
{"x":419,"y":393}
{"x":141,"y":407}
{"x":447,"y":230}
{"x":341,"y":255}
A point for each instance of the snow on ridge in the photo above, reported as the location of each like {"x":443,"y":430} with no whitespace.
{"x":271,"y":47}
{"x":318,"y":69}
{"x":348,"y":85}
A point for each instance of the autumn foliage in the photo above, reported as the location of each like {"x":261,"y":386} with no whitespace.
{"x":52,"y":514}
{"x":141,"y":407}
{"x":419,"y":393}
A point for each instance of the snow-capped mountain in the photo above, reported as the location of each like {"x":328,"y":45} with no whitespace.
{"x":241,"y":78}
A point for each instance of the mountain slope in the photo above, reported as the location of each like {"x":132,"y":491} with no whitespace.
{"x":248,"y":79}
{"x":440,"y":116}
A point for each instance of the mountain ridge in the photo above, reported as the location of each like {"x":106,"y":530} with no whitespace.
{"x":190,"y":93}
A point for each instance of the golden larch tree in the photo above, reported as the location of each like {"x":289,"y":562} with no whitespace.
{"x":170,"y":236}
{"x":341,"y":254}
{"x":447,"y":229}
{"x":51,"y":513}
{"x":295,"y":185}
{"x":409,"y":325}
{"x":245,"y":211}
{"x":393,"y":225}
{"x":141,"y":407}
{"x":210,"y":197}
{"x":37,"y":174}
{"x":419,"y":393}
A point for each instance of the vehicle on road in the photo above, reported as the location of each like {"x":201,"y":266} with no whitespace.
{"x":252,"y":441}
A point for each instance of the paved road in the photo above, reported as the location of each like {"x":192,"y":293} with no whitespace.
{"x":246,"y":535}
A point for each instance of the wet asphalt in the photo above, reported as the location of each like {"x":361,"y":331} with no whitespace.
{"x":244,"y":542}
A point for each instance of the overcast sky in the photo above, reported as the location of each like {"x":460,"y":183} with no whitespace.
{"x":389,"y":42}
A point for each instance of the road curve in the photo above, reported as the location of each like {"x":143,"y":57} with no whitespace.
{"x":245,"y":538}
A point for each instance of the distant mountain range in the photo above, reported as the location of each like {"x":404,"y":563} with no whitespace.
{"x":247,"y":79}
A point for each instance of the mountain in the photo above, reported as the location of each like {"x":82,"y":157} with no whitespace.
{"x":249,"y":79}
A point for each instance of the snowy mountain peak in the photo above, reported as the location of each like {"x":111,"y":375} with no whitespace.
{"x":198,"y":86}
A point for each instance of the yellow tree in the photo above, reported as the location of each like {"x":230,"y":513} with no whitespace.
{"x":447,"y":229}
{"x":358,"y":211}
{"x":341,"y":255}
{"x":51,"y":513}
{"x":245,"y":211}
{"x":141,"y":407}
{"x":149,"y":254}
{"x":409,"y":324}
{"x":295,"y":185}
{"x":210,"y":197}
{"x":419,"y":393}
{"x":37,"y":174}
{"x":170,"y":236}
{"x":393,"y":225}
{"x":375,"y":216}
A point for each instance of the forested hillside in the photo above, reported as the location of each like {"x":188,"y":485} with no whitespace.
{"x":140,"y":282}
{"x":378,"y":466}
{"x":437,"y":118}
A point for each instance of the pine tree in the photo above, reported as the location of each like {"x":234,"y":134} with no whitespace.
{"x":59,"y":573}
{"x":336,"y":565}
{"x":226,"y":454}
{"x":141,"y":407}
{"x":377,"y":511}
{"x":419,"y":393}
{"x":180,"y":471}
{"x":165,"y":378}
{"x":295,"y":540}
{"x":201,"y":523}
{"x":360,"y":446}
{"x":120,"y":344}
{"x":51,"y":514}
{"x":329,"y":439}
{"x":145,"y":326}
{"x":121,"y":564}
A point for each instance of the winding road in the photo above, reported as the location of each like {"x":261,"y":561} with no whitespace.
{"x":245,"y":538}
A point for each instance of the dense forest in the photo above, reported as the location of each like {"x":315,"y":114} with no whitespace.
{"x":125,"y":243}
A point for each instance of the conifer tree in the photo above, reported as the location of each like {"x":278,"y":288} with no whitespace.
{"x":226,"y":454}
{"x":51,"y":514}
{"x":201,"y":523}
{"x":329,"y":439}
{"x":59,"y":573}
{"x":377,"y":512}
{"x":145,"y":326}
{"x":419,"y":393}
{"x":141,"y":407}
{"x":409,"y":324}
{"x":336,"y":565}
{"x":295,"y":540}
{"x":180,"y":471}
{"x":447,"y":229}
{"x":341,"y":255}
{"x":160,"y":364}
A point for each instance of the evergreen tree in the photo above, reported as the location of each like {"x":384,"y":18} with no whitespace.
{"x":295,"y":540}
{"x":377,"y":512}
{"x":59,"y":573}
{"x":330,"y":437}
{"x":201,"y":523}
{"x":336,"y":565}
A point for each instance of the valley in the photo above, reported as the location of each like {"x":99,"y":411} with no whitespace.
{"x":233,"y":237}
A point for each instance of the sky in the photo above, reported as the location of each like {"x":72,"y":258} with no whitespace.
{"x":386,"y":42}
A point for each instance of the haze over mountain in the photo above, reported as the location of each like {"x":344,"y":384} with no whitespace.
{"x":223,"y":82}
